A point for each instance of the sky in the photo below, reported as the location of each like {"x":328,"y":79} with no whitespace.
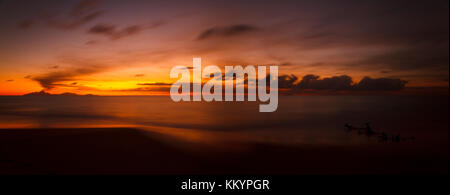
{"x":112,"y":47}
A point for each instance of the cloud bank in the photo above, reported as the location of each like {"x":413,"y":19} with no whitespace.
{"x":344,"y":82}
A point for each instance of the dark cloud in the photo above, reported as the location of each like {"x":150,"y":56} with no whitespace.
{"x":153,"y":88}
{"x":103,"y":29}
{"x":231,"y":75}
{"x":112,"y":32}
{"x":343,"y":82}
{"x":287,"y":81}
{"x":154,"y":84}
{"x":286,"y":64}
{"x":388,"y":84}
{"x":139,"y":75}
{"x":10,"y":80}
{"x":226,"y":31}
{"x":127,"y":31}
{"x":186,"y":67}
{"x":52,"y":79}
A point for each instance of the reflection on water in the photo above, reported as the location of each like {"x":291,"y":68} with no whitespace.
{"x":298,"y":120}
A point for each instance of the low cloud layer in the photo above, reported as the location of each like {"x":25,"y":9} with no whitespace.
{"x":370,"y":84}
{"x":344,"y":82}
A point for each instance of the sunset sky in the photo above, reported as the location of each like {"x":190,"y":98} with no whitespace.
{"x":116,"y":47}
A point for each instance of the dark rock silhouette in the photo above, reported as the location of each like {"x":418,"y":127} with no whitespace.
{"x":43,"y":93}
{"x":382,"y":136}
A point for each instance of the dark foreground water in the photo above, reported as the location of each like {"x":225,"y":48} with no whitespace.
{"x":304,"y":131}
{"x":299,"y":119}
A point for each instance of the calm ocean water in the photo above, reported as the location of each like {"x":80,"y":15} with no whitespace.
{"x":298,"y":120}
